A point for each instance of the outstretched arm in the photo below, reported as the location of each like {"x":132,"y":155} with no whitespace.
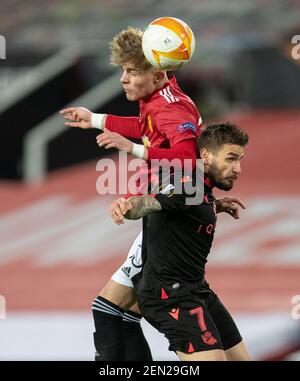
{"x":83,"y":118}
{"x":78,"y":117}
{"x":134,"y":208}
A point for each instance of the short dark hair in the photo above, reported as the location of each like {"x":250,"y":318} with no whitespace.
{"x":215,"y":135}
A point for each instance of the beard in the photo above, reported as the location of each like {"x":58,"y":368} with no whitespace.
{"x":214,"y":174}
{"x":225,"y":185}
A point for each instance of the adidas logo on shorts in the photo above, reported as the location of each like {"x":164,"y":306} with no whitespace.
{"x":126,"y":270}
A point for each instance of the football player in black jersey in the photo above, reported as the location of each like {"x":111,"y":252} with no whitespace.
{"x":173,"y":294}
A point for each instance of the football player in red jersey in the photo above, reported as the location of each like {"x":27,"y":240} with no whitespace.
{"x":168,"y":126}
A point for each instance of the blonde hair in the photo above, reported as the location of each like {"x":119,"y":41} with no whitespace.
{"x":126,"y":47}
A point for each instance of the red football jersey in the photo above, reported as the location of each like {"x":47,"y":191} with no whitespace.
{"x":167,"y":117}
{"x":168,"y":125}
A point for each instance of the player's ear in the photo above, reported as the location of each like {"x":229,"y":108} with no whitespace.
{"x":158,"y":76}
{"x":204,"y":155}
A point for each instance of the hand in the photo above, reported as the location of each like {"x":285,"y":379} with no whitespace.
{"x":118,"y":209}
{"x":80,"y":117}
{"x":229,"y":205}
{"x":110,"y":139}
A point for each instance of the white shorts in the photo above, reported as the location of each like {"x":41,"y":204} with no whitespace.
{"x":132,"y":265}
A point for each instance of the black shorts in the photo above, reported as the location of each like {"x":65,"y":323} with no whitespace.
{"x":190,"y":316}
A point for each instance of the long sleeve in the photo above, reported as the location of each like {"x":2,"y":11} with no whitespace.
{"x":185,"y":149}
{"x":124,"y":125}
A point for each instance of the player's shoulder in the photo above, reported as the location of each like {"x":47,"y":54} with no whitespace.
{"x":168,"y":101}
{"x":171,"y":94}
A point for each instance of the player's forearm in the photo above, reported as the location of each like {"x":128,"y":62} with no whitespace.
{"x":142,"y":205}
{"x":181,"y":151}
{"x":123,"y":125}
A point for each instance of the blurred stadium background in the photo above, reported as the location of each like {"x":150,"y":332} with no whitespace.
{"x":57,"y":244}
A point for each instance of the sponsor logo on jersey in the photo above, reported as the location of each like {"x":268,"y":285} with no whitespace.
{"x":186,"y":126}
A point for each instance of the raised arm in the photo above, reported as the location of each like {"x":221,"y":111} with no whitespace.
{"x":83,"y":118}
